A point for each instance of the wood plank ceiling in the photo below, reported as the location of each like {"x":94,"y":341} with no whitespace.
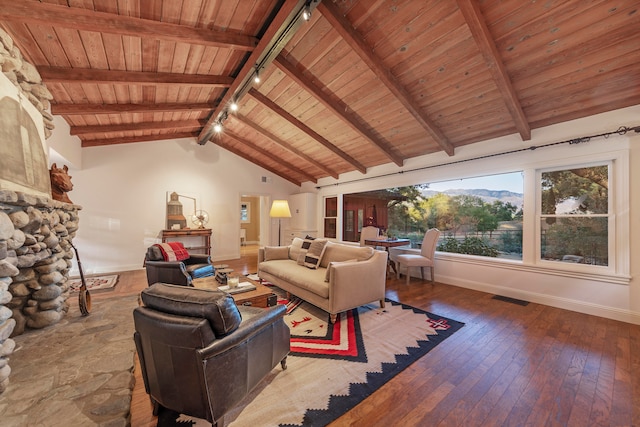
{"x":362,"y":83}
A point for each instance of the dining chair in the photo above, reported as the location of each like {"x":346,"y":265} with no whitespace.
{"x":425,"y":259}
{"x":367,"y":233}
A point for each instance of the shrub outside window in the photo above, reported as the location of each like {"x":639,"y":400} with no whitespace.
{"x":575,"y":215}
{"x":476,"y":216}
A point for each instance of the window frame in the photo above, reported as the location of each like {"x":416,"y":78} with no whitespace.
{"x":617,"y":224}
{"x":610,"y":214}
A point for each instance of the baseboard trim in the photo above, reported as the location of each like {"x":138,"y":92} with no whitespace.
{"x":552,"y":301}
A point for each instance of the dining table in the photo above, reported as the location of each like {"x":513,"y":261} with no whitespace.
{"x":387,"y":243}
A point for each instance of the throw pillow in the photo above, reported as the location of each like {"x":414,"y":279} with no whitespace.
{"x":173,"y":251}
{"x":314,"y":254}
{"x":275,"y":252}
{"x":296,"y":248}
{"x":334,"y":263}
{"x":306,"y":243}
{"x":300,"y":259}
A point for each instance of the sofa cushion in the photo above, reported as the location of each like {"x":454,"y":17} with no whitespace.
{"x":314,"y":254}
{"x":297,"y":275}
{"x":276,"y":252}
{"x":339,"y":252}
{"x":217,"y":307}
{"x":332,"y":263}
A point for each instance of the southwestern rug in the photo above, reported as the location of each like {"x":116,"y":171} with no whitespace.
{"x":94,"y":283}
{"x":332,"y":368}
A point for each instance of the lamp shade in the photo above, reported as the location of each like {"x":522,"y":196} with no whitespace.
{"x":280,"y":209}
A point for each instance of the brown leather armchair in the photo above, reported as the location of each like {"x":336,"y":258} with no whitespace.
{"x":201,"y":354}
{"x":176,"y":272}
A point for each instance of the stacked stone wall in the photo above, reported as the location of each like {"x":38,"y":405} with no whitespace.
{"x":35,"y":258}
{"x":26,"y":77}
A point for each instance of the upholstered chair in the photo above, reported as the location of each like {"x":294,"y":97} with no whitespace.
{"x":367,"y":233}
{"x":200,"y":354}
{"x":180,"y":272}
{"x":422,"y":260}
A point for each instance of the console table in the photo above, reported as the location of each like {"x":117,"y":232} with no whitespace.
{"x":177,"y":235}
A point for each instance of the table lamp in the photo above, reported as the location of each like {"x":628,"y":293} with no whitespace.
{"x":280,"y":209}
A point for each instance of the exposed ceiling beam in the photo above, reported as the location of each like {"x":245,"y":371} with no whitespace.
{"x":285,"y":145}
{"x":75,"y":109}
{"x":89,"y":20}
{"x":484,"y":40}
{"x":267,"y":154}
{"x":339,"y":108}
{"x":142,"y":138}
{"x":218,"y":141}
{"x":332,"y":14}
{"x":128,"y":127}
{"x":279,"y":25}
{"x":306,"y":129}
{"x":89,"y":75}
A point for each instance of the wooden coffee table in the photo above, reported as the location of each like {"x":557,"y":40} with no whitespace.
{"x":262,"y":296}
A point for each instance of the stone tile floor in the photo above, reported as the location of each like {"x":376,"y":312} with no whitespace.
{"x":78,"y":372}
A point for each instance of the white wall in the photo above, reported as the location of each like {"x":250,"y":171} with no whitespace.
{"x":613,"y":295}
{"x":122,"y":190}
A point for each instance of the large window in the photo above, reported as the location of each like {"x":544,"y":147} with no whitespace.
{"x":476,"y":216}
{"x":575,"y":215}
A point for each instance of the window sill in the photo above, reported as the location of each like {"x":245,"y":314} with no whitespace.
{"x":602,"y":276}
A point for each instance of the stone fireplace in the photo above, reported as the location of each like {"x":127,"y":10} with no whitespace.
{"x":35,"y":230}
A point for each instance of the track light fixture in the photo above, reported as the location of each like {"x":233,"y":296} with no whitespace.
{"x":256,"y":78}
{"x":234,"y":106}
{"x":217,"y":128}
{"x":306,"y":12}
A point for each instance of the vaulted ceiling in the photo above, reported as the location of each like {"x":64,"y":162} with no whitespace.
{"x":360,"y":84}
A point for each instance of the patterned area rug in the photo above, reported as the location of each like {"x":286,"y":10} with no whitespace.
{"x":94,"y":283}
{"x":332,"y":369}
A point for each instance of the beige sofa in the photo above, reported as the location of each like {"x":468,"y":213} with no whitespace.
{"x":346,"y":277}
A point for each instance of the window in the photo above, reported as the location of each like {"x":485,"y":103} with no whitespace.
{"x":245,"y":212}
{"x":476,"y":216}
{"x":575,"y":215}
{"x":330,"y":217}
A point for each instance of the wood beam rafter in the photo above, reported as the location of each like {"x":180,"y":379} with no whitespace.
{"x":141,"y":138}
{"x":267,"y":154}
{"x":338,"y":108}
{"x":280,"y":21}
{"x":306,"y":129}
{"x":285,"y":145}
{"x":79,"y":109}
{"x":475,"y":21}
{"x":89,"y":75}
{"x":332,"y":14}
{"x":128,"y":127}
{"x":218,"y":141}
{"x":90,"y":20}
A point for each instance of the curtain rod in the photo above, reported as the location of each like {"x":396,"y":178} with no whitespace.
{"x":622,"y":130}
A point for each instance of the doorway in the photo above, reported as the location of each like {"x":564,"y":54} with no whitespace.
{"x":253,"y":226}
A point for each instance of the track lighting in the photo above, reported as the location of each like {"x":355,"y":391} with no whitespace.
{"x":217,"y":128}
{"x":234,"y":106}
{"x":256,"y":78}
{"x":306,"y":13}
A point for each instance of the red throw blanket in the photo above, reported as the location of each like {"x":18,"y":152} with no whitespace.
{"x":173,"y":251}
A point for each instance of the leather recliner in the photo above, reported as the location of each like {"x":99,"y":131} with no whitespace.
{"x":200,"y":354}
{"x":176,"y":272}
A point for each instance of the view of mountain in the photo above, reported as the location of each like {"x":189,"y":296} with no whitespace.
{"x":488,"y":196}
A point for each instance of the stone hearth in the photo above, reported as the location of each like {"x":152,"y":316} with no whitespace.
{"x":35,"y":258}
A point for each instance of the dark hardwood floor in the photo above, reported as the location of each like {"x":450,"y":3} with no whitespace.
{"x":511,"y":365}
